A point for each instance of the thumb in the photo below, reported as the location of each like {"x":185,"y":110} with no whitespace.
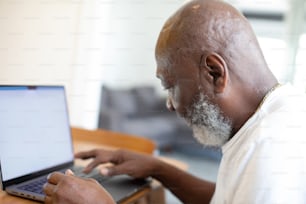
{"x":69,"y":172}
{"x":106,"y":171}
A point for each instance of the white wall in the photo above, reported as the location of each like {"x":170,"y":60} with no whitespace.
{"x":37,"y":42}
{"x":86,"y":43}
{"x":81,"y":44}
{"x":116,"y":47}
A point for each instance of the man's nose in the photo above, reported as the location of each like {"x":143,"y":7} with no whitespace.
{"x":169,"y":104}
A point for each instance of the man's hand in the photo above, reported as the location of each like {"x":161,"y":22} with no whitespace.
{"x":134,"y":164}
{"x":138,"y":165}
{"x":68,"y":189}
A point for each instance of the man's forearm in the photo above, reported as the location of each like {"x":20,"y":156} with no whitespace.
{"x":186,"y":187}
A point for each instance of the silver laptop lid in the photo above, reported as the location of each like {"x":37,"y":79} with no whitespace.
{"x":34,"y":130}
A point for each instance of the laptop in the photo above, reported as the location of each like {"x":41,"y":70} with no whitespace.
{"x":35,"y":140}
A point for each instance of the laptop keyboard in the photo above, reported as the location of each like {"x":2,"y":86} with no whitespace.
{"x":35,"y":186}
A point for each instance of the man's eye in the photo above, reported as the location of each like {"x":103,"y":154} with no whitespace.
{"x":168,"y":88}
{"x":165,"y":86}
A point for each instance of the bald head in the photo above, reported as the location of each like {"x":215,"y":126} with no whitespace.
{"x":212,"y":26}
{"x":208,"y":47}
{"x":203,"y":23}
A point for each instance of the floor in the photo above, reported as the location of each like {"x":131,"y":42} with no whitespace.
{"x":198,"y":165}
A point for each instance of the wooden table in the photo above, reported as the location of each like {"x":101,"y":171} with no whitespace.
{"x":150,"y":195}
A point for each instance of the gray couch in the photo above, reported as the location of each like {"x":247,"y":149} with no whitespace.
{"x":141,"y":111}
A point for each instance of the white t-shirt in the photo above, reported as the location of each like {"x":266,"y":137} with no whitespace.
{"x":265,"y":162}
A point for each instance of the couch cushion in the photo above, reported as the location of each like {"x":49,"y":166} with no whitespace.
{"x":122,"y":101}
{"x":159,"y":129}
{"x":146,"y":98}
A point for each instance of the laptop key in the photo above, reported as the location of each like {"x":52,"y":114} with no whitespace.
{"x":35,"y":186}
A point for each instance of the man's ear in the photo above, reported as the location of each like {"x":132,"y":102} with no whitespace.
{"x":216,"y":69}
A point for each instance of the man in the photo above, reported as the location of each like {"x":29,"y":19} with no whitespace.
{"x":209,"y":61}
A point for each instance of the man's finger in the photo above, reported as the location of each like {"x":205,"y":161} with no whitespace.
{"x":114,"y":170}
{"x":69,"y":172}
{"x":48,"y":199}
{"x":55,"y":177}
{"x":105,"y":171}
{"x":85,"y":155}
{"x":48,"y":188}
{"x":91,"y":166}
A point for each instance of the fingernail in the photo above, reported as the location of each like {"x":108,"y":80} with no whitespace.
{"x":104,"y":171}
{"x":69,"y":172}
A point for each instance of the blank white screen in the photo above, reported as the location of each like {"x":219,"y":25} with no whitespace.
{"x":34,"y":130}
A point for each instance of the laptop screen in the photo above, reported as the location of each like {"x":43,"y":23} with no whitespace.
{"x":34,"y":129}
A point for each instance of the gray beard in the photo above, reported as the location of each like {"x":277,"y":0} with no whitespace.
{"x":209,"y":126}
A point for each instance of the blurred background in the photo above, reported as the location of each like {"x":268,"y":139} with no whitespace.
{"x":102,"y":51}
{"x":85,"y":44}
